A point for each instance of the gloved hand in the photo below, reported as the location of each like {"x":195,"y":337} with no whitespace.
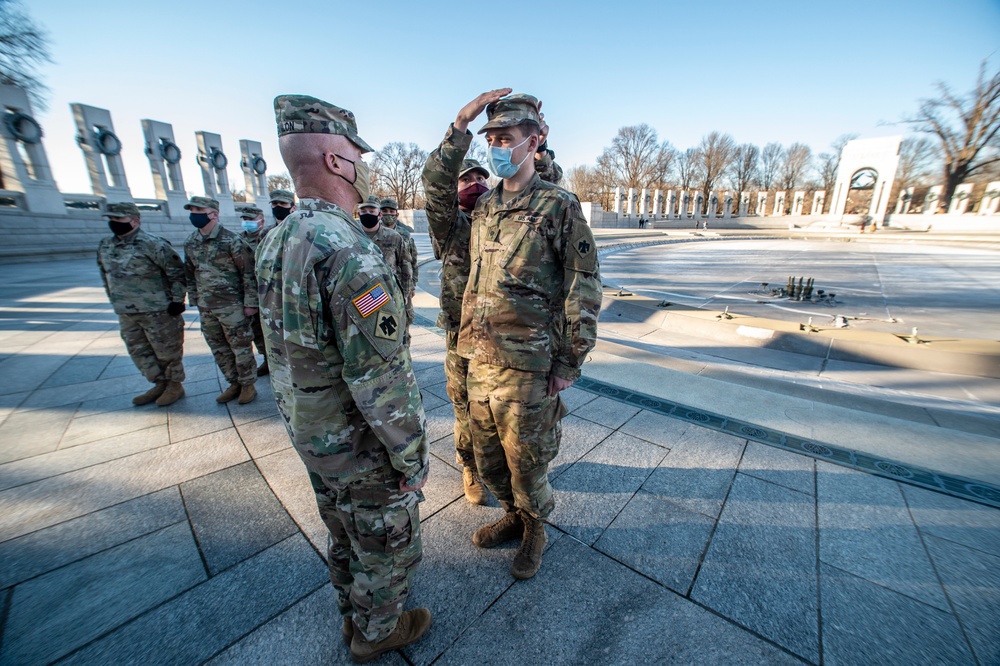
{"x":175,"y":309}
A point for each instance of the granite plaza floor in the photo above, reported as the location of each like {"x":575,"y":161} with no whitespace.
{"x":189,"y":534}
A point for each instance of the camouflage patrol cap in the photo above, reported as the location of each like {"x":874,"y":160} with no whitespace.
{"x":201,"y":202}
{"x":511,"y":110}
{"x":282,"y":196}
{"x":370,"y":202}
{"x":123,"y":209}
{"x":472,"y":165}
{"x":302,"y":114}
{"x":389,"y":202}
{"x":249,"y":211}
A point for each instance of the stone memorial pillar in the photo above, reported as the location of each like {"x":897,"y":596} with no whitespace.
{"x":213,"y":163}
{"x":960,"y":199}
{"x":254,"y":173}
{"x":699,"y":205}
{"x":619,"y":196}
{"x":933,"y":200}
{"x":657,"y":204}
{"x":102,"y":150}
{"x":24,"y":166}
{"x":779,"y":204}
{"x":685,"y":207}
{"x":630,"y":204}
{"x":644,"y":202}
{"x":744,"y":205}
{"x":761,"y":204}
{"x":991,"y":199}
{"x":165,"y":163}
{"x":818,"y":200}
{"x":798,"y":202}
{"x":671,"y":204}
{"x":727,"y":205}
{"x":713,"y":204}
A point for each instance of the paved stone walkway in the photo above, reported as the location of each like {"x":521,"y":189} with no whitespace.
{"x":189,"y":534}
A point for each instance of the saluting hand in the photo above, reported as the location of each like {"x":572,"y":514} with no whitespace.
{"x":471,"y":111}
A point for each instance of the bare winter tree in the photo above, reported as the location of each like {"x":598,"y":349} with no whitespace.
{"x":796,"y":160}
{"x":770,"y":164}
{"x":916,"y":161}
{"x":967,"y":127}
{"x":688,"y":168}
{"x":715,"y":155}
{"x":636,"y":158}
{"x":280,"y":181}
{"x":745,"y":167}
{"x":23,"y":48}
{"x":585,"y":183}
{"x":396,"y":172}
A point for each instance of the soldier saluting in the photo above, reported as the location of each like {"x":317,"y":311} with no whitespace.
{"x":144,"y":279}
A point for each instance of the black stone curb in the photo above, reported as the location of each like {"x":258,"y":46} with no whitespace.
{"x":967,"y":489}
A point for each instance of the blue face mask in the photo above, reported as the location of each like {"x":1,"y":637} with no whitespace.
{"x":199,"y":220}
{"x":500,"y":163}
{"x":250,"y":226}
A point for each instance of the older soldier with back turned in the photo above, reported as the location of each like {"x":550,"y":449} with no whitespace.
{"x":452,"y":186}
{"x":144,"y":279}
{"x":333,"y":320}
{"x":219,"y":268}
{"x":529,"y":319}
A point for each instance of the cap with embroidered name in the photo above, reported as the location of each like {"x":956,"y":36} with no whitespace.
{"x":302,"y":114}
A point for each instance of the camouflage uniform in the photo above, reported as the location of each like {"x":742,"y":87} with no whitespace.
{"x":450,"y":228}
{"x":142,"y":275}
{"x":397,"y":257}
{"x":333,"y":319}
{"x":530,"y":309}
{"x":409,"y":288}
{"x":253,"y":239}
{"x":221,"y":283}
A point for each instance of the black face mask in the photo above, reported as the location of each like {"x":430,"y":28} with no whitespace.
{"x":368,"y":220}
{"x":280,"y":213}
{"x":199,"y":220}
{"x":120,"y":228}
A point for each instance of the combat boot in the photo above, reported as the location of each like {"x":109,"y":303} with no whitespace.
{"x":347,"y":631}
{"x":263,"y":370}
{"x":507,"y":528}
{"x":232,"y":392}
{"x":529,"y":556}
{"x":411,"y":626}
{"x":174,"y":392}
{"x":475,"y":490}
{"x":152,"y":394}
{"x":247,"y":393}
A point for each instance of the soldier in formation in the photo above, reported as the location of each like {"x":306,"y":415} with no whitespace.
{"x":282,"y":204}
{"x":390,"y":219}
{"x":453,"y":185}
{"x":220,"y":280}
{"x":342,"y":377}
{"x":394,"y":249}
{"x":145,"y":282}
{"x":529,"y":319}
{"x":254,"y":231}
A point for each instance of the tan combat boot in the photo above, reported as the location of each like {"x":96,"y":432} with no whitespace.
{"x":529,"y":556}
{"x":411,"y":626}
{"x":152,"y":394}
{"x":475,"y":490}
{"x":247,"y":393}
{"x":230,"y":393}
{"x":347,"y":631}
{"x":507,"y":528}
{"x":174,"y":392}
{"x":263,"y":369}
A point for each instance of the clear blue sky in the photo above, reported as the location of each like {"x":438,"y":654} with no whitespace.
{"x":762,"y":71}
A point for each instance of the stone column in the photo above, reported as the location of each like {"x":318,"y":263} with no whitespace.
{"x":643,"y":202}
{"x":630,"y":204}
{"x":933,"y":199}
{"x":699,"y":205}
{"x":761,"y":204}
{"x":671,"y":205}
{"x":657,"y":203}
{"x":685,"y":207}
{"x":619,"y":196}
{"x":991,"y":200}
{"x":23,"y":162}
{"x":798,"y":202}
{"x":744,"y":205}
{"x":102,"y":151}
{"x":960,"y":199}
{"x":818,"y":200}
{"x":213,"y":163}
{"x":779,"y":204}
{"x":254,"y":173}
{"x":165,"y":163}
{"x":727,"y":205}
{"x":713,"y":204}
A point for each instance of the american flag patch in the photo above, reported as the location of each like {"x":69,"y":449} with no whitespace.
{"x":371,"y":300}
